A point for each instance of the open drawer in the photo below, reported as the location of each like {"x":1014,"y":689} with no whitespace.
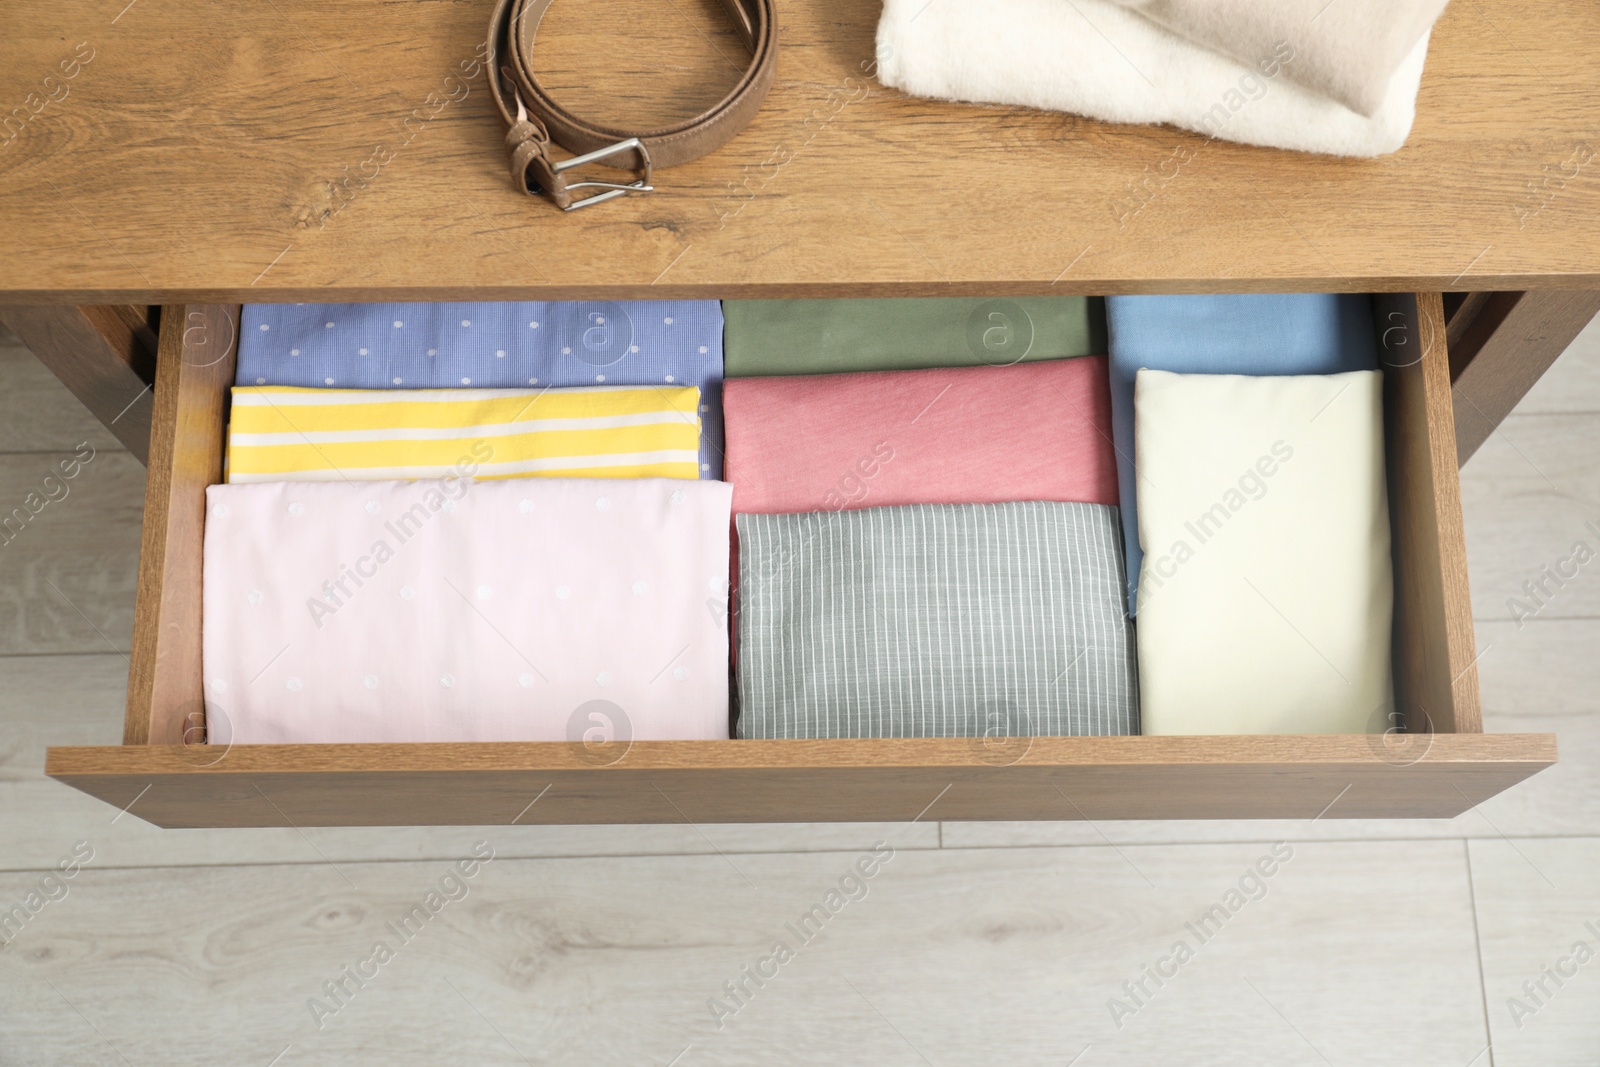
{"x":1437,"y":763}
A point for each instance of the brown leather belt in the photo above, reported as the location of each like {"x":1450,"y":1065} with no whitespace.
{"x":535,"y":119}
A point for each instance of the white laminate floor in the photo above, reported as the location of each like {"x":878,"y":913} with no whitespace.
{"x":1461,"y":943}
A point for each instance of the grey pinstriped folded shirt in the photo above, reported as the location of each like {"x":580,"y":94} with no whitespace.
{"x":935,"y":620}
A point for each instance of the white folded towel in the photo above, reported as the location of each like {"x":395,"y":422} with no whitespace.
{"x":1095,"y":58}
{"x":1346,"y":49}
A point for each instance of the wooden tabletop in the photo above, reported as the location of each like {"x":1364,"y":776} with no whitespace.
{"x":330,"y":149}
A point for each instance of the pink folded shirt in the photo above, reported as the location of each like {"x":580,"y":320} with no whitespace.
{"x":527,"y":610}
{"x":960,"y":435}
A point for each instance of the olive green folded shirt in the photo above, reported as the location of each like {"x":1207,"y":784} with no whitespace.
{"x":765,"y":337}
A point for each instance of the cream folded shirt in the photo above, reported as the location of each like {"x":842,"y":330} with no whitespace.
{"x":1266,"y":594}
{"x":1096,"y":58}
{"x":1346,"y":49}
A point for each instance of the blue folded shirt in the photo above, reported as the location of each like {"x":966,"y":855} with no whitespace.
{"x":1262,"y":334}
{"x":493,"y":346}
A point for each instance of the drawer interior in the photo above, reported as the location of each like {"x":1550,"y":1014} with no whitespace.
{"x":1436,"y":762}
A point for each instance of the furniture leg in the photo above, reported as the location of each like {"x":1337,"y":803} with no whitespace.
{"x":104,"y":354}
{"x":1500,"y":344}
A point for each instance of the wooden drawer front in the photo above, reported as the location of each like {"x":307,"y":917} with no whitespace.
{"x":1441,"y":765}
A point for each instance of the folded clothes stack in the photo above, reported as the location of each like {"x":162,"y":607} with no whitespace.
{"x":1255,"y":504}
{"x":1301,"y":333}
{"x":1336,"y":78}
{"x":548,"y":570}
{"x":505,"y":522}
{"x":925,"y":553}
{"x":528,"y":344}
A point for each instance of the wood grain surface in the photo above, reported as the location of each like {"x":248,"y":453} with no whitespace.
{"x":826,"y":781}
{"x":1528,"y":563}
{"x":340,"y":151}
{"x":1436,"y":684}
{"x":952,"y":958}
{"x":130,"y":330}
{"x":40,"y":414}
{"x":1572,"y":384}
{"x":1504,"y":350}
{"x":198,"y":346}
{"x":98,"y":353}
{"x":68,"y":571}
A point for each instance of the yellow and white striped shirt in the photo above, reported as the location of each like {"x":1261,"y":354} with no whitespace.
{"x":279,"y":433}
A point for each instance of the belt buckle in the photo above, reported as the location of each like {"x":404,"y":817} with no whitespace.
{"x":614,"y":189}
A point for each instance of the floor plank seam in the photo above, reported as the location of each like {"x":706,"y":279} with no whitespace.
{"x":448,"y":857}
{"x":1477,"y":944}
{"x":1346,"y":840}
{"x":806,"y":851}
